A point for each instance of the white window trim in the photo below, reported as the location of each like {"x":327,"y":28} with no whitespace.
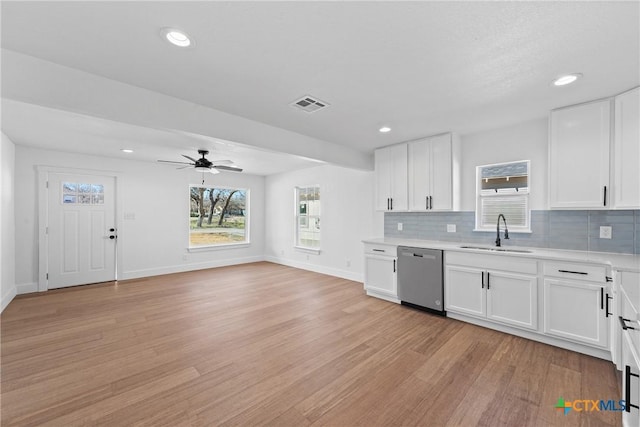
{"x":296,"y":246}
{"x":512,"y":229}
{"x":222,"y":246}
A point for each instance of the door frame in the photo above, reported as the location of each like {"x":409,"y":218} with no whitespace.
{"x":42,"y":177}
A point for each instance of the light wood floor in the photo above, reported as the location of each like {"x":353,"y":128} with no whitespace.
{"x":264,"y":344}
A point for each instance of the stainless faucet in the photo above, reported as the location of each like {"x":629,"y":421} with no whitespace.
{"x":506,"y":230}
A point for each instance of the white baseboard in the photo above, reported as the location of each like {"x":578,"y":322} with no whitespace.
{"x":136,"y":274}
{"x":336,"y":272}
{"x":26,"y":288}
{"x":7,"y":298}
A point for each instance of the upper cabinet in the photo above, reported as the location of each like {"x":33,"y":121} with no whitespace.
{"x":391,"y":178}
{"x":626,"y":151}
{"x":421,"y":175}
{"x":434,"y":171}
{"x":579,"y":144}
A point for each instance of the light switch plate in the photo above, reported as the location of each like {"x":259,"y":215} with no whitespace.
{"x":399,"y":226}
{"x":605,"y":232}
{"x":451,"y":228}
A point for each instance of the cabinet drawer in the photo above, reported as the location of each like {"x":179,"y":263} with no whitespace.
{"x":492,"y":262}
{"x":576,"y":271}
{"x":631,"y":320}
{"x":381,"y":249}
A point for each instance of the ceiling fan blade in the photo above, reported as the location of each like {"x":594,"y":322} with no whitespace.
{"x":190,"y":158}
{"x":175,"y":163}
{"x":183,"y":167}
{"x":227,"y":168}
{"x":222,"y":162}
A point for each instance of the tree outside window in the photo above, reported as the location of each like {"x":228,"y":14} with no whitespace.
{"x":217,"y":216}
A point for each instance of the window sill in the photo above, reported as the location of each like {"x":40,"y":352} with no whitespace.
{"x":307,"y":250}
{"x":493,"y":230}
{"x":219,"y":247}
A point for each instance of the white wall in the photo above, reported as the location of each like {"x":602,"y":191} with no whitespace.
{"x":156,"y":241}
{"x":7,"y":222}
{"x":525,"y":141}
{"x":347,"y":217}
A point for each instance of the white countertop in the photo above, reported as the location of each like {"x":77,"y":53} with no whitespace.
{"x":621,"y":262}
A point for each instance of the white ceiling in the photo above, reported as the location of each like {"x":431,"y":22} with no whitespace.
{"x":420,"y":67}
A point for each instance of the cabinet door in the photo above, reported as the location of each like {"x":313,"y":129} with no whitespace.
{"x":575,"y":311}
{"x":419,"y":175}
{"x":399,"y":192}
{"x":630,"y":379}
{"x":380,"y":275}
{"x":579,"y":156}
{"x":512,"y":299}
{"x":441,"y":173}
{"x":464,"y":291}
{"x":626,"y":151}
{"x":383,"y":171}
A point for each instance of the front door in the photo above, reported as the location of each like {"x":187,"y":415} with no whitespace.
{"x":81,"y":229}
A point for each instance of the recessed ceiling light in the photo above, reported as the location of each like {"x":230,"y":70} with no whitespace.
{"x":127,"y":150}
{"x":385,"y":129}
{"x":176,"y":37}
{"x":567,"y":79}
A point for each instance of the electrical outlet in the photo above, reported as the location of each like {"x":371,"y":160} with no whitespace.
{"x":348,"y":263}
{"x":605,"y":232}
{"x":399,"y":226}
{"x":451,"y":228}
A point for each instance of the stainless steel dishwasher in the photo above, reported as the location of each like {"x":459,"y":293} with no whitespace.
{"x":420,"y":283}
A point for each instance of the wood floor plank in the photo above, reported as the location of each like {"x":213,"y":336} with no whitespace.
{"x":268,"y":345}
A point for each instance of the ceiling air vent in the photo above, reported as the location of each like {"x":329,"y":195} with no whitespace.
{"x":309,"y":104}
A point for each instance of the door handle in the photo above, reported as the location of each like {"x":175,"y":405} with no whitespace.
{"x":430,"y":202}
{"x":607,"y":314}
{"x":483,"y":280}
{"x":112,"y":237}
{"x":488,"y":280}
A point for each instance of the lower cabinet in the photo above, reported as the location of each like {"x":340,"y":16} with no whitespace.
{"x":501,"y":296}
{"x":576,"y":310}
{"x":380,"y":271}
{"x":630,"y":382}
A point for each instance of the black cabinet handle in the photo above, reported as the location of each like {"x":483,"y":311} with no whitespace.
{"x":391,"y":203}
{"x":112,"y":237}
{"x":574,"y":272}
{"x":387,"y":203}
{"x":604,"y":202}
{"x":394,"y":265}
{"x":627,"y":388}
{"x":378,"y":250}
{"x":606,"y":311}
{"x":426,"y":202}
{"x":430,"y":202}
{"x":601,"y":298}
{"x":482,"y":279}
{"x":623,"y":324}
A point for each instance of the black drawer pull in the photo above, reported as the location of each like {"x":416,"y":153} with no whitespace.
{"x":627,"y":388}
{"x":379,"y":250}
{"x":607,"y":314}
{"x":623,"y":324}
{"x":573,"y":272}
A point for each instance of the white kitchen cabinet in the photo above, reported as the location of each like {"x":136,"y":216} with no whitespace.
{"x":502,"y":291}
{"x":464,"y":291}
{"x":630,"y":382}
{"x":380,"y":271}
{"x":626,"y":151}
{"x":575,"y":310}
{"x":434,"y":173}
{"x":391,"y":178}
{"x":579,"y":144}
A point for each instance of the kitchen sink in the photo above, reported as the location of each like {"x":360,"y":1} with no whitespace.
{"x":485,"y":248}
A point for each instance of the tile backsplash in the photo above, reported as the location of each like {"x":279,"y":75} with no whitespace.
{"x":577,"y":230}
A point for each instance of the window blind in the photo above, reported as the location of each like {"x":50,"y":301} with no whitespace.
{"x":515,"y":208}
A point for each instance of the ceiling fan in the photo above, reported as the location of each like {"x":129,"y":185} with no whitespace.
{"x":205,"y":165}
